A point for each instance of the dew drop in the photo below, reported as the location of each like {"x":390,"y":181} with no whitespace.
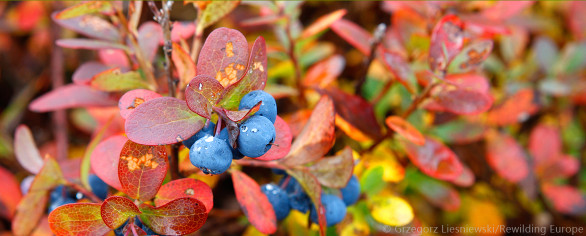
{"x":200,"y":85}
{"x":254,"y":130}
{"x":243,"y":128}
{"x":209,"y":139}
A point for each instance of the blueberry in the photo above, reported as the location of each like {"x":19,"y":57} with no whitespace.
{"x":351,"y":192}
{"x":298,"y":199}
{"x":211,"y":155}
{"x":60,"y":202}
{"x":59,"y":193}
{"x":278,"y":198}
{"x":99,"y":187}
{"x":236,"y":155}
{"x":335,"y":209}
{"x":25,"y":185}
{"x":208,"y":129}
{"x":279,"y":171}
{"x":268,"y":107}
{"x":257,"y":135}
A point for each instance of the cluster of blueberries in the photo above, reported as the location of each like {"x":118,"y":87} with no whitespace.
{"x":62,"y":195}
{"x":213,"y":154}
{"x":290,"y":195}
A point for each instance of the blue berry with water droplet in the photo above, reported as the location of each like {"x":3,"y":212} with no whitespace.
{"x":208,"y":129}
{"x":211,"y":155}
{"x":257,"y":135}
{"x":268,"y":107}
{"x":278,"y":199}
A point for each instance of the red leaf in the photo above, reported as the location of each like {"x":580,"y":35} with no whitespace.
{"x":317,"y":136}
{"x":10,"y":194}
{"x":447,"y":40}
{"x":237,"y":116}
{"x":105,"y":159}
{"x":202,"y":93}
{"x":149,"y":35}
{"x":254,"y":203}
{"x":183,"y":63}
{"x":255,"y":78}
{"x":114,"y":57}
{"x":576,"y":17}
{"x":434,"y":159}
{"x":405,"y":129}
{"x":224,"y":56}
{"x":182,"y":30}
{"x":355,"y":110}
{"x":71,"y":96}
{"x":186,"y":187}
{"x":516,"y":108}
{"x":90,"y":44}
{"x":472,"y":56}
{"x":506,"y":157}
{"x":324,"y":72}
{"x":466,"y":179}
{"x":564,"y":167}
{"x":437,"y":193}
{"x":335,"y":171}
{"x":26,"y":151}
{"x":282,"y":142}
{"x":470,"y":81}
{"x":313,"y":189}
{"x":323,"y":23}
{"x":77,"y":219}
{"x":545,"y":144}
{"x":353,"y":34}
{"x":399,"y":68}
{"x":91,"y":26}
{"x":142,"y":169}
{"x":501,"y":11}
{"x":84,"y":73}
{"x":464,"y":101}
{"x":116,"y":210}
{"x":163,"y":120}
{"x":178,"y":217}
{"x":565,"y":199}
{"x":409,"y":25}
{"x":131,"y":99}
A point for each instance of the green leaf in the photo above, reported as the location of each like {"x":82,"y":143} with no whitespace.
{"x":113,"y":80}
{"x":372,"y":181}
{"x":85,"y":8}
{"x":116,"y":210}
{"x":213,"y":12}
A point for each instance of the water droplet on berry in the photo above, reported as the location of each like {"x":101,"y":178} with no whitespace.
{"x":209,"y":139}
{"x":243,"y":128}
{"x":200,"y":85}
{"x":254,"y":130}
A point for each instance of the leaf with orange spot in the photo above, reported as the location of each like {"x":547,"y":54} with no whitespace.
{"x":317,"y":136}
{"x":71,"y":96}
{"x":282,"y":142}
{"x":178,"y":217}
{"x":89,"y":25}
{"x":10,"y":194}
{"x":356,"y":111}
{"x":131,"y":99}
{"x":313,"y":189}
{"x":545,"y":144}
{"x":506,"y":157}
{"x":142,"y":169}
{"x":434,"y":159}
{"x":183,"y":63}
{"x":31,"y":207}
{"x":254,"y":203}
{"x":405,"y":129}
{"x":353,"y":34}
{"x":26,"y":151}
{"x":515,"y":109}
{"x":471,"y":56}
{"x":334,"y":171}
{"x":213,"y":11}
{"x":324,"y":72}
{"x":447,"y":40}
{"x":163,"y":120}
{"x":565,"y":199}
{"x":464,"y":101}
{"x":224,"y":56}
{"x":84,"y":9}
{"x":436,"y":192}
{"x":322,"y":23}
{"x":186,"y":187}
{"x":399,"y":67}
{"x":254,"y":79}
{"x":202,"y":93}
{"x":116,"y":210}
{"x":77,"y":219}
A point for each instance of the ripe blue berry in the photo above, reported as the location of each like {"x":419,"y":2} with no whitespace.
{"x":99,"y":187}
{"x":279,"y":171}
{"x":268,"y":107}
{"x":335,"y":209}
{"x":211,"y":155}
{"x":298,"y":199}
{"x":236,"y":155}
{"x":60,"y":202}
{"x":278,"y":198}
{"x":257,"y":135}
{"x":208,"y":129}
{"x":351,"y":192}
{"x":60,"y":192}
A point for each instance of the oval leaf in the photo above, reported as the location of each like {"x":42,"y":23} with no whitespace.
{"x":436,"y":192}
{"x":114,"y":80}
{"x":10,"y":194}
{"x":186,"y":187}
{"x":399,"y":67}
{"x":565,"y":199}
{"x":254,"y":203}
{"x":84,"y":9}
{"x":131,"y":99}
{"x":149,"y":35}
{"x":324,"y":72}
{"x":91,"y":44}
{"x":84,"y":73}
{"x":516,"y":108}
{"x":26,"y":151}
{"x":224,"y":56}
{"x":472,"y":56}
{"x":545,"y":144}
{"x":434,"y":159}
{"x":353,"y":34}
{"x":506,"y":157}
{"x":163,"y":120}
{"x":105,"y":158}
{"x":391,"y":210}
{"x":214,"y":11}
{"x":335,"y":171}
{"x":323,"y":23}
{"x":282,"y":142}
{"x":71,"y":96}
{"x":77,"y":219}
{"x":142,"y":169}
{"x":91,"y":26}
{"x":447,"y":40}
{"x":464,"y":101}
{"x":202,"y":93}
{"x":178,"y":217}
{"x":114,"y":58}
{"x":405,"y":129}
{"x":116,"y":210}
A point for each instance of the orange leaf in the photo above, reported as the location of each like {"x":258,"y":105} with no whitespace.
{"x":434,"y":159}
{"x":186,"y":187}
{"x":142,"y":169}
{"x":323,"y":23}
{"x":9,"y":194}
{"x":116,"y":210}
{"x":254,"y":203}
{"x":506,"y":157}
{"x":77,"y":219}
{"x":405,"y":129}
{"x":178,"y":217}
{"x":183,"y":63}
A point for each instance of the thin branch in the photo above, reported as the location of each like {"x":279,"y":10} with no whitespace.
{"x":59,"y":118}
{"x":197,"y":43}
{"x":426,"y":92}
{"x":379,"y":33}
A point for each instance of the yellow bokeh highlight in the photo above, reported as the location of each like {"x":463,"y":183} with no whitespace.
{"x":391,"y":210}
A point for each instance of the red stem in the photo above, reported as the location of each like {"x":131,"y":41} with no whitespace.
{"x":59,"y":118}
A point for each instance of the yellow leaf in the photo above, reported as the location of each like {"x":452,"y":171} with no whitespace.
{"x":393,"y":170}
{"x":391,"y":210}
{"x":483,"y":214}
